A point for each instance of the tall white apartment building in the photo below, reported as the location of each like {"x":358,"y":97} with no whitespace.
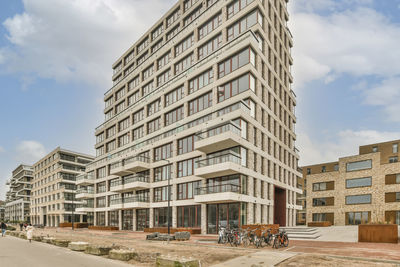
{"x":18,"y":196}
{"x":53,"y":187}
{"x":203,"y":99}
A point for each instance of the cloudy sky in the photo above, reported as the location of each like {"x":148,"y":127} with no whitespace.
{"x":56,"y":56}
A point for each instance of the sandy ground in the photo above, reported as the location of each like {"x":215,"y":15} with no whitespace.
{"x":307,"y":260}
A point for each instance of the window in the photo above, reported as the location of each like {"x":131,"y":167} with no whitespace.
{"x":189,"y":216}
{"x":163,"y":77}
{"x":100,"y":138}
{"x":129,"y":57}
{"x":184,"y":64}
{"x":235,"y":62}
{"x":120,"y":107}
{"x":138,"y":133}
{"x":164,"y":60}
{"x":110,"y":132}
{"x":336,"y":167}
{"x":160,"y":217}
{"x":143,"y":45}
{"x":322,"y":217}
{"x":174,"y":96}
{"x":153,"y":107}
{"x":210,"y":46}
{"x":186,"y":145}
{"x":123,"y":140}
{"x":395,"y":148}
{"x":157,"y":46}
{"x":153,"y":125}
{"x":188,"y":190}
{"x":324,"y":201}
{"x":355,"y":218}
{"x":358,"y":199}
{"x":173,"y":32}
{"x":359,"y":182}
{"x":236,"y":87}
{"x":359,"y":165}
{"x":200,"y":81}
{"x":210,"y":25}
{"x":187,"y":167}
{"x":244,"y":24}
{"x":393,"y":159}
{"x":173,"y":17}
{"x":163,"y":173}
{"x":308,"y":171}
{"x":147,"y":72}
{"x":132,"y":99}
{"x":324,"y":186}
{"x":119,"y":94}
{"x":133,"y":83}
{"x":142,"y":58}
{"x":138,"y":116}
{"x":184,"y":45}
{"x":192,"y":16}
{"x":110,"y":146}
{"x":236,"y":6}
{"x":174,"y":116}
{"x":109,"y":102}
{"x":200,"y":103}
{"x":108,"y":115}
{"x":323,"y":169}
{"x":157,"y":32}
{"x":124,"y":124}
{"x":100,"y":151}
{"x":148,"y":88}
{"x":374,"y":149}
{"x":163,"y":152}
{"x":188,"y":4}
{"x":161,"y":194}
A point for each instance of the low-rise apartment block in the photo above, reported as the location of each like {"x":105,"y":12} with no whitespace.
{"x":357,"y":189}
{"x":203,"y":102}
{"x":18,"y":196}
{"x":53,"y":187}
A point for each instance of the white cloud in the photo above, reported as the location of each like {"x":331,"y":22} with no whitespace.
{"x":345,"y":143}
{"x":29,"y":151}
{"x":76,"y":40}
{"x":357,"y":41}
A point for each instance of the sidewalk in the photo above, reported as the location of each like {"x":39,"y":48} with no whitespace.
{"x":263,"y":258}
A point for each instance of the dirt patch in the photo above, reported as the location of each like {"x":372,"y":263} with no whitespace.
{"x":307,"y":260}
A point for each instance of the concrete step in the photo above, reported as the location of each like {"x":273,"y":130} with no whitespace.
{"x":308,"y":233}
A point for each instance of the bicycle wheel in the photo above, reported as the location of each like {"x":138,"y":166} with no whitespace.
{"x":285,"y":241}
{"x":276,"y":243}
{"x":262,"y":241}
{"x":245,"y":241}
{"x":269,"y":240}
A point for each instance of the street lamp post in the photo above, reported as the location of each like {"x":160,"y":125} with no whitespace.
{"x":72,"y":219}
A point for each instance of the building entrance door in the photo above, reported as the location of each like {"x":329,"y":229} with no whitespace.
{"x":279,"y":206}
{"x":142,"y":219}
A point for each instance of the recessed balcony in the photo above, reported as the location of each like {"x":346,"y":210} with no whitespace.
{"x":85,"y":179}
{"x":130,"y":165}
{"x":218,"y":193}
{"x":127,"y":183}
{"x":134,"y":202}
{"x":222,"y":165}
{"x":218,"y":138}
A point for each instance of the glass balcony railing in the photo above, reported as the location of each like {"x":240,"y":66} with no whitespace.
{"x":139,"y":158}
{"x":131,"y":199}
{"x":85,"y":191}
{"x":136,"y":178}
{"x":85,"y":176}
{"x":228,"y":157}
{"x":228,"y":127}
{"x":218,"y":189}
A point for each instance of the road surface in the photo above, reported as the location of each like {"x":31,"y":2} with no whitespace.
{"x":15,"y":252}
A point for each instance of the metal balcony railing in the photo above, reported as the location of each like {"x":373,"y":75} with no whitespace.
{"x":218,"y":189}
{"x":228,"y":157}
{"x":228,"y":127}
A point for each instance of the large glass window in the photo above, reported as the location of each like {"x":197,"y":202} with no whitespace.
{"x":200,"y":103}
{"x":184,"y":45}
{"x":187,"y":167}
{"x":223,"y":215}
{"x":162,"y":173}
{"x":174,"y":116}
{"x":160,"y":217}
{"x":355,"y":218}
{"x":236,"y":6}
{"x":163,"y":152}
{"x":188,"y":190}
{"x":235,"y":62}
{"x":174,"y":96}
{"x":359,"y":182}
{"x":244,"y":24}
{"x":186,"y":145}
{"x":236,"y":87}
{"x":323,"y":201}
{"x":210,"y":25}
{"x":201,"y":80}
{"x":359,"y":165}
{"x":142,"y":219}
{"x":189,"y":216}
{"x":161,"y":194}
{"x":358,"y":199}
{"x":210,"y":46}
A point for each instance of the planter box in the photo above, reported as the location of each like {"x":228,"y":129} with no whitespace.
{"x":104,"y":228}
{"x":262,"y":227}
{"x":164,"y":230}
{"x":319,"y":224}
{"x":76,"y":225}
{"x":378,"y":233}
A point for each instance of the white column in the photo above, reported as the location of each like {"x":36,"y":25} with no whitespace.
{"x":203,"y":219}
{"x":120,"y":219}
{"x":134,"y":227}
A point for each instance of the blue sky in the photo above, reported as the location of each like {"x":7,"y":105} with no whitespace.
{"x":56,"y":56}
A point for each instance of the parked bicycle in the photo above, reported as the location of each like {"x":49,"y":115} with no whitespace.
{"x":281,"y":239}
{"x":265,"y":238}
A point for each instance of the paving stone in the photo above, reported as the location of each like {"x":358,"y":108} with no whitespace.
{"x":122,"y":254}
{"x":166,"y":261}
{"x":61,"y":243}
{"x":98,"y":250}
{"x":78,"y":246}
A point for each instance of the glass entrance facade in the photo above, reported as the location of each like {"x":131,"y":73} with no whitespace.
{"x":127,"y":219}
{"x":142,"y":219}
{"x":224,"y":215}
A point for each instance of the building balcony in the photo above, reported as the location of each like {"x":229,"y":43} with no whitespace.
{"x":134,"y":181}
{"x":84,"y":209}
{"x":218,"y":138}
{"x":222,"y":165}
{"x":130,"y":165}
{"x":134,"y":202}
{"x":84,"y":193}
{"x":85,"y":179}
{"x":218,"y":194}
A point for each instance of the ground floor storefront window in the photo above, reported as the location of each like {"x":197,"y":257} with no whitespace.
{"x":392,"y":216}
{"x":160,"y":217}
{"x":68,"y":218}
{"x":360,"y":217}
{"x":101,"y":218}
{"x":189,"y":216}
{"x":142,"y":219}
{"x":113,"y":219}
{"x":127,"y":219}
{"x":230,"y":215}
{"x":90,"y":218}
